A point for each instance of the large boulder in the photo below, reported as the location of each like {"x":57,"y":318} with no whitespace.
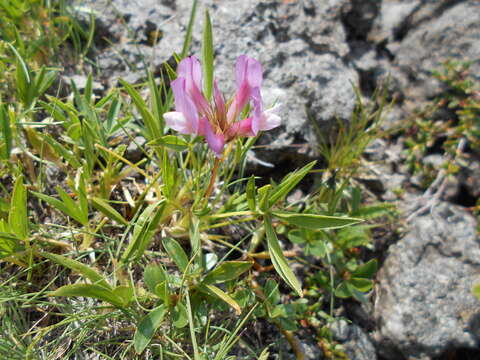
{"x":300,"y":44}
{"x":424,"y":305}
{"x":421,"y":35}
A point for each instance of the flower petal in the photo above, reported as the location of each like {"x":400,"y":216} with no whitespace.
{"x":241,"y":128}
{"x":185,"y":105}
{"x":270,"y":119}
{"x":257,"y":110}
{"x":177,"y":121}
{"x":216,"y":142}
{"x":248,"y":76}
{"x":248,"y":70}
{"x":190,"y":69}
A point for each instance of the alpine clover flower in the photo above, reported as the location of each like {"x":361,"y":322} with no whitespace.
{"x":219,"y":120}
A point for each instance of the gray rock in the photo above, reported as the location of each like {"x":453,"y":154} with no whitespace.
{"x":448,"y":30}
{"x":424,"y":304}
{"x":355,"y":342}
{"x":300,"y":44}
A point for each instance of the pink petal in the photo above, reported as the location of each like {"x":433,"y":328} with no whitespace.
{"x":249,"y":70}
{"x":270,"y":119}
{"x":177,"y":121}
{"x":257,"y":110}
{"x":184,"y":104}
{"x":241,"y":128}
{"x":216,"y":142}
{"x":248,"y":76}
{"x":219,"y":102}
{"x":190,"y":69}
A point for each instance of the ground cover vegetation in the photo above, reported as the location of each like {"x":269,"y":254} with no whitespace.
{"x":181,"y":253}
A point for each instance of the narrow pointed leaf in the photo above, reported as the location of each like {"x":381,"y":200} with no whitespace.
{"x":17,"y":218}
{"x":207,"y":55}
{"x":278,"y":259}
{"x":147,"y":327}
{"x":215,"y":291}
{"x":289,"y":182}
{"x":366,"y":270}
{"x":176,"y":253}
{"x":89,"y":290}
{"x":74,"y":265}
{"x":314,"y":221}
{"x":228,"y":270}
{"x":108,"y":211}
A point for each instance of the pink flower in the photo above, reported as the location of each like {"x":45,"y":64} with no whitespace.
{"x":219,"y":121}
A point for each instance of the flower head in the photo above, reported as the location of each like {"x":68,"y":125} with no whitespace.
{"x":219,"y":120}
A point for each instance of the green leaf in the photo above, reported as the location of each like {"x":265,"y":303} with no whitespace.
{"x":366,"y":270}
{"x":23,"y":80}
{"x":152,"y":127}
{"x":108,"y":211}
{"x":143,"y":231}
{"x":125,"y":293}
{"x":297,"y":236}
{"x":361,"y":284}
{"x":61,"y":150}
{"x":147,"y":327}
{"x":315,"y":222}
{"x":215,"y":291}
{"x":264,"y":197}
{"x":207,"y":55}
{"x":289,"y":182}
{"x":6,"y":131}
{"x":55,"y":203}
{"x":180,"y":315}
{"x":89,"y":290}
{"x":343,"y":290}
{"x":9,"y":244}
{"x":228,"y":270}
{"x":278,"y":259}
{"x":78,"y":267}
{"x":250,"y":192}
{"x":73,"y":209}
{"x":154,"y":275}
{"x":272,"y":294}
{"x":176,"y":253}
{"x":17,"y":218}
{"x":163,"y":292}
{"x":170,"y":141}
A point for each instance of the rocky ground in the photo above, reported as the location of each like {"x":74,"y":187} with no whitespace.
{"x":312,"y":53}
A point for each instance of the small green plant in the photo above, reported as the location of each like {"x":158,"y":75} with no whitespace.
{"x":455,"y":137}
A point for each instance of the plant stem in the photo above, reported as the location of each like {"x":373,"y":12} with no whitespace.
{"x":212,"y":179}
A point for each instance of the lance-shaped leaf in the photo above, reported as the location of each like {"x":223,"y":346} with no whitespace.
{"x":90,"y":290}
{"x":108,"y":210}
{"x":314,"y":221}
{"x":147,"y":327}
{"x":17,"y":218}
{"x":278,"y":259}
{"x":289,"y":182}
{"x":228,"y":270}
{"x":74,"y":265}
{"x":176,"y":253}
{"x":207,"y":55}
{"x":217,"y":292}
{"x":144,"y":230}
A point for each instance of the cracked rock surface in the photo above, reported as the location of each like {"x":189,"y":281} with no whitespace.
{"x":423,"y":300}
